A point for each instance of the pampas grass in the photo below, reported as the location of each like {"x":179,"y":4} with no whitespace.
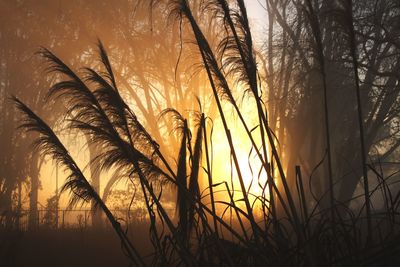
{"x":291,"y":230}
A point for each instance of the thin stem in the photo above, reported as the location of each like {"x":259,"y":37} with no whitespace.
{"x":354,"y":56}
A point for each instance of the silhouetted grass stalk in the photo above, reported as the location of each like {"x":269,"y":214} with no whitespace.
{"x":49,"y":144}
{"x":353,"y":52}
{"x":209,"y":176}
{"x":207,"y":60}
{"x":320,"y":57}
{"x":250,"y":69}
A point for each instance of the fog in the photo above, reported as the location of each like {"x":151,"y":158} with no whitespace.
{"x":175,"y":129}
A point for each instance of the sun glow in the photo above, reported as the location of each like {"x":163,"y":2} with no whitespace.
{"x":252,"y":172}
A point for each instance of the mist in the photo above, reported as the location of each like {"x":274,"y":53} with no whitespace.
{"x":199,"y":133}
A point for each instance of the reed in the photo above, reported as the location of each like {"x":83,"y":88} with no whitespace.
{"x":291,"y":230}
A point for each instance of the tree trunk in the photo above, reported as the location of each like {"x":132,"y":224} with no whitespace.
{"x":33,"y":196}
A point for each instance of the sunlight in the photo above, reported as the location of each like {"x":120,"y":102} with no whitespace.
{"x":53,"y":176}
{"x":254,"y":176}
{"x":199,"y":133}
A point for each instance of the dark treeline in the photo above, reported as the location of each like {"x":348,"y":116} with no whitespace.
{"x":145,"y":84}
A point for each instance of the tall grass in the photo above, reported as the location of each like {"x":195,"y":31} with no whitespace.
{"x":200,"y":236}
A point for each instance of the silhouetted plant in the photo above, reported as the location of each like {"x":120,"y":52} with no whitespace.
{"x":292,"y":229}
